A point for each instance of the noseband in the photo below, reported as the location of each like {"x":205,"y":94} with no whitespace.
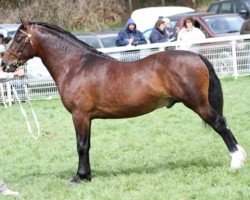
{"x":21,"y":48}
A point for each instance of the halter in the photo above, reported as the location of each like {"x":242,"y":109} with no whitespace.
{"x":21,"y":48}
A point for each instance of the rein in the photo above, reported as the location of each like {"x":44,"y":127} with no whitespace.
{"x":25,"y":115}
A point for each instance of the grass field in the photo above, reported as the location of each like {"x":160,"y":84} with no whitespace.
{"x":167,"y":154}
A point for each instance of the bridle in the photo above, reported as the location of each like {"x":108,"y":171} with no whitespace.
{"x":20,"y":49}
{"x":16,"y":63}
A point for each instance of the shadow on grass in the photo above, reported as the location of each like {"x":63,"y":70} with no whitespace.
{"x":200,"y":164}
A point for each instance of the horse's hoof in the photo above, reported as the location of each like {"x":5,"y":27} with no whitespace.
{"x":74,"y":181}
{"x":78,"y":179}
{"x":238,"y":158}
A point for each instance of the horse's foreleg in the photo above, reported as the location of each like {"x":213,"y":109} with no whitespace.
{"x":82,"y":127}
{"x":219,"y":124}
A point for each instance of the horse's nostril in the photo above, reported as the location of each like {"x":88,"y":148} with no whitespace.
{"x":2,"y":63}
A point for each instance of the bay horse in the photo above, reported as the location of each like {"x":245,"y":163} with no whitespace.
{"x":93,"y":85}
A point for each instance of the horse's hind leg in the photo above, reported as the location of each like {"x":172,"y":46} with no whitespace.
{"x":218,"y":123}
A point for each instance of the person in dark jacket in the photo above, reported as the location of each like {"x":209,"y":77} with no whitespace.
{"x":3,"y":42}
{"x":169,"y":31}
{"x":130,"y":35}
{"x":245,"y":28}
{"x":158,"y":33}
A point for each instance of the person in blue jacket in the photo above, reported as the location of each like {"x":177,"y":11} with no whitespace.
{"x":130,"y":35}
{"x":158,"y":33}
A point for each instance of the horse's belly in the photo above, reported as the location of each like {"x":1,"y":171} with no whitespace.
{"x":130,"y":110}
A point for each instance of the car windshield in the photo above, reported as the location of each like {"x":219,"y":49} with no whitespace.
{"x":11,"y":34}
{"x":225,"y":24}
{"x":109,"y":41}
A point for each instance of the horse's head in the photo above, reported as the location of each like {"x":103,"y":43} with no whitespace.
{"x":20,"y":49}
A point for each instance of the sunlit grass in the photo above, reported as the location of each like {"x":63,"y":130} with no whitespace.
{"x":167,"y":154}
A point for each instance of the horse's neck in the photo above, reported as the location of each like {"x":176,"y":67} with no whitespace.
{"x":55,"y":55}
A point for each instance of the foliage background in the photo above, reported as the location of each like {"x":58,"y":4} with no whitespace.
{"x":85,"y":15}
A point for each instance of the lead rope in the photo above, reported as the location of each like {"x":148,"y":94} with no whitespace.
{"x":25,"y":115}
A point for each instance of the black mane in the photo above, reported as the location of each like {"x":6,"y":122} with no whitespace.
{"x":60,"y":30}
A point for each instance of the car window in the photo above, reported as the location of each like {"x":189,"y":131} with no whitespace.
{"x":240,"y":6}
{"x":226,"y":7}
{"x":214,"y":8}
{"x":109,"y":41}
{"x":198,"y":25}
{"x":147,"y":33}
{"x":91,"y":41}
{"x":223,"y":25}
{"x":173,"y":23}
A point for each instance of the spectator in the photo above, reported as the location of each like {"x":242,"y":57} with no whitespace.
{"x":130,"y":35}
{"x":158,"y":33}
{"x":6,"y":191}
{"x":2,"y":48}
{"x":245,"y":28}
{"x":169,"y":31}
{"x":4,"y":76}
{"x":3,"y":42}
{"x":189,"y":34}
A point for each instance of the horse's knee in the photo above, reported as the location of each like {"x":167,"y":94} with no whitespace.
{"x":82,"y":149}
{"x":83,"y":144}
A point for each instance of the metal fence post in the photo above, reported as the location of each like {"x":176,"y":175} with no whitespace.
{"x":235,"y":74}
{"x":2,"y":95}
{"x":9,"y":97}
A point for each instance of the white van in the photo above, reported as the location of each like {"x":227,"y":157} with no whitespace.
{"x":9,"y":30}
{"x":145,"y":18}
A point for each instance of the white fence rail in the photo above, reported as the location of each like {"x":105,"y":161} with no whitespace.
{"x":230,"y":57}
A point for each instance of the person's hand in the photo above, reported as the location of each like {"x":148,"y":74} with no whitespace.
{"x":131,"y":40}
{"x":19,"y":73}
{"x":135,"y":43}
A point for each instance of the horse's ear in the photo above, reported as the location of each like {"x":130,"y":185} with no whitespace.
{"x":24,"y":22}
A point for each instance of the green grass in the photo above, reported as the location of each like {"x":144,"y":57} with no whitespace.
{"x":167,"y":154}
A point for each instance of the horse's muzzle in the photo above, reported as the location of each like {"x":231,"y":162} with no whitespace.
{"x":8,"y":66}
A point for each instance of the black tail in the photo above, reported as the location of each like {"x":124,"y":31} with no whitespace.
{"x":215,"y":95}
